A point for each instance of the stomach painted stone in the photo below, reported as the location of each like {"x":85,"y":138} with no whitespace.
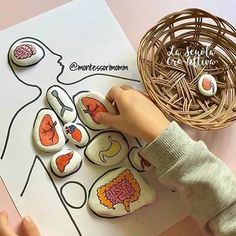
{"x":137,"y":160}
{"x":26,"y":54}
{"x":47,"y":131}
{"x":107,"y":148}
{"x":66,"y":162}
{"x":91,"y":103}
{"x":61,"y":103}
{"x":120,"y":192}
{"x":76,"y":134}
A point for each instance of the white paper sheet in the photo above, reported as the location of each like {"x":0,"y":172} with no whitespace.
{"x":84,"y":32}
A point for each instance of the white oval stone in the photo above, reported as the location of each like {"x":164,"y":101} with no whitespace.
{"x":207,"y":85}
{"x":26,"y":53}
{"x":89,"y":104}
{"x":61,"y":103}
{"x":47,"y":131}
{"x":76,"y":134}
{"x":137,"y":160}
{"x":107,"y":148}
{"x":120,"y":192}
{"x":66,"y":162}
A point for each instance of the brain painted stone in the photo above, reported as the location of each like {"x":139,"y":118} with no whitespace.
{"x":26,"y":53}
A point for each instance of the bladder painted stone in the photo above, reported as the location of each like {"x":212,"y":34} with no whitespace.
{"x":120,"y":192}
{"x":207,"y":85}
{"x":91,"y":103}
{"x":76,"y":134}
{"x":107,"y":148}
{"x":47,"y":131}
{"x":66,"y":162}
{"x":137,"y":160}
{"x":26,"y":54}
{"x":61,"y":103}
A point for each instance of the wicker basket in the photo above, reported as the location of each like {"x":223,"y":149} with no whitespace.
{"x":176,"y":52}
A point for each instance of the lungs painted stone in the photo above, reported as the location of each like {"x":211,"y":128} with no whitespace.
{"x":120,"y":192}
{"x":47,"y":131}
{"x":89,"y":104}
{"x":26,"y":54}
{"x":66,"y":162}
{"x":76,"y":134}
{"x":61,"y":103}
{"x":107,"y":148}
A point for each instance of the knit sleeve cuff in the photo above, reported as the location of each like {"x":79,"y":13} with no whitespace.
{"x":168,"y":148}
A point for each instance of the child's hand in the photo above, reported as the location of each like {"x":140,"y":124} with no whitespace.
{"x":28,"y":227}
{"x":137,"y":115}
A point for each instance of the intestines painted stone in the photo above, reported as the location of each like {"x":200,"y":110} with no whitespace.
{"x":66,"y":162}
{"x":47,"y":131}
{"x":89,"y":104}
{"x":120,"y":192}
{"x":26,"y":54}
{"x":137,"y":160}
{"x":107,"y":148}
{"x":61,"y":103}
{"x":76,"y":134}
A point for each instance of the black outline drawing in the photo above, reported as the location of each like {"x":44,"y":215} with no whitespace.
{"x":85,"y":194}
{"x":9,"y":129}
{"x":102,"y":132}
{"x":130,"y":162}
{"x":37,"y":158}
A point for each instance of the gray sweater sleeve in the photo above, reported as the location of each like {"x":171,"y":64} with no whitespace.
{"x":205,"y":183}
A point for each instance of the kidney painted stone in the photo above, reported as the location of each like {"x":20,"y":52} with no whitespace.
{"x":26,"y":54}
{"x":61,"y":103}
{"x":207,"y":85}
{"x":91,"y":103}
{"x":107,"y":148}
{"x":66,"y":162}
{"x":137,"y":160}
{"x":76,"y":134}
{"x":120,"y":192}
{"x":47,"y":131}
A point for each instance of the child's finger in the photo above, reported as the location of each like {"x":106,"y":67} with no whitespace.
{"x":114,"y":93}
{"x":29,"y":228}
{"x":5,"y":229}
{"x":107,"y":119}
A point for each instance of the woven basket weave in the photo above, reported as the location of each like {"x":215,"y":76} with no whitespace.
{"x":172,"y":84}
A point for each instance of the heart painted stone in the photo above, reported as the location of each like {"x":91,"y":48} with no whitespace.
{"x":137,"y":160}
{"x":107,"y":148}
{"x":207,"y":85}
{"x":66,"y":162}
{"x":76,"y":134}
{"x":89,"y":104}
{"x":120,"y":192}
{"x":47,"y":131}
{"x":26,"y":54}
{"x":61,"y":103}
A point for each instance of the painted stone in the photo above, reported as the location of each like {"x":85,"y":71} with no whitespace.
{"x":120,"y":192}
{"x":61,"y":103}
{"x":76,"y":134}
{"x":137,"y":160}
{"x":47,"y":131}
{"x":66,"y":162}
{"x":89,"y":104}
{"x":26,"y":54}
{"x":107,"y":148}
{"x":207,"y":85}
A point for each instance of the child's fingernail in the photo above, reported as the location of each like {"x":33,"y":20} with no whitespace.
{"x":27,"y":219}
{"x":3,"y":212}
